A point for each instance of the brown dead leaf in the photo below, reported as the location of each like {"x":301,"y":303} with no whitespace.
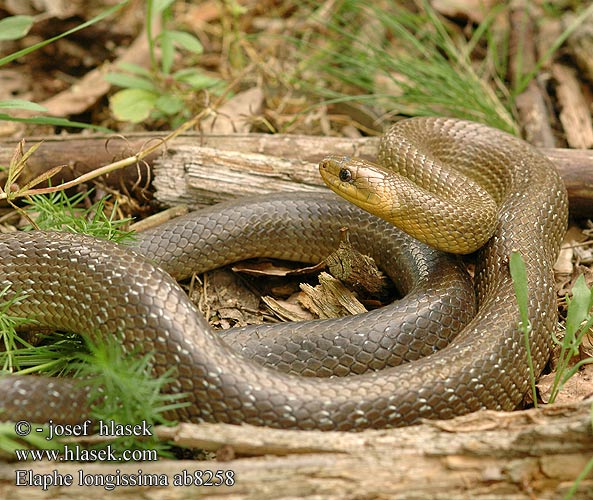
{"x":575,"y":115}
{"x":12,"y":83}
{"x":474,"y":10}
{"x":573,"y":236}
{"x":233,"y":116}
{"x":201,"y":13}
{"x":268,"y":268}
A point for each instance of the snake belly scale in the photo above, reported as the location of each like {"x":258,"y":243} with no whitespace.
{"x":80,"y":284}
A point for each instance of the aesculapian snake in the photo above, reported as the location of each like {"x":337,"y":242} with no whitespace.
{"x":80,"y":284}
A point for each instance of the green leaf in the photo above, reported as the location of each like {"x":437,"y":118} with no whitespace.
{"x":132,"y":105}
{"x":130,"y":81}
{"x":186,"y":40}
{"x":196,"y":78}
{"x":135,"y":69}
{"x":519,"y":275}
{"x":185,"y":73}
{"x":15,"y":27}
{"x":167,"y":51}
{"x":22,"y":104}
{"x":9,"y":441}
{"x":169,"y":104}
{"x":580,"y":305}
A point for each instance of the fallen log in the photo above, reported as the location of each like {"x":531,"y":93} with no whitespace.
{"x":528,"y":454}
{"x":241,"y":164}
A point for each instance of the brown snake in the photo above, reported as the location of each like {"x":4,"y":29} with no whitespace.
{"x":80,"y":284}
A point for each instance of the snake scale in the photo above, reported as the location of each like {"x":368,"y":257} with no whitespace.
{"x":80,"y":284}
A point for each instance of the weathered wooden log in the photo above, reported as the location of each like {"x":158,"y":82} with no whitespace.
{"x":243,"y":164}
{"x":520,"y":455}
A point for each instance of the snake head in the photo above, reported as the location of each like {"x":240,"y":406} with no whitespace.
{"x":358,"y":181}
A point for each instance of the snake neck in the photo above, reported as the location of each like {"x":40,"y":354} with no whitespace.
{"x":443,"y":209}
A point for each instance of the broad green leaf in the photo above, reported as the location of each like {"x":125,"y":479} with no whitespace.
{"x":132,"y":105}
{"x":169,"y":104}
{"x":22,"y":104}
{"x":15,"y":27}
{"x":580,"y":305}
{"x":186,"y":40}
{"x":130,"y":81}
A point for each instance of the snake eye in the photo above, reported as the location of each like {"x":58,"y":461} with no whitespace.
{"x":345,"y":175}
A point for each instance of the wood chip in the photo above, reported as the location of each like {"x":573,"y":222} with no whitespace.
{"x":330,"y":299}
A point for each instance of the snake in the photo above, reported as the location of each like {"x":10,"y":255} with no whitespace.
{"x":81,"y":284}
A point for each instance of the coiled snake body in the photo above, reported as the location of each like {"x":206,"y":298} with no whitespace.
{"x":77,"y":283}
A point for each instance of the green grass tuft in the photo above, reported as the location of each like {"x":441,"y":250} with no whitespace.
{"x":429,"y":71}
{"x":412,"y":63}
{"x":60,"y":212}
{"x":123,"y":388}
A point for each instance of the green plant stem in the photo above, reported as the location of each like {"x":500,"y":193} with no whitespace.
{"x":149,"y":37}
